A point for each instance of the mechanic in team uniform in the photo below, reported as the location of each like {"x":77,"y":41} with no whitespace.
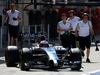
{"x":73,"y":20}
{"x":14,"y":18}
{"x":84,"y":29}
{"x":62,"y":27}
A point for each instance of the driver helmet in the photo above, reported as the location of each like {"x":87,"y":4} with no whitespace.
{"x":44,"y":43}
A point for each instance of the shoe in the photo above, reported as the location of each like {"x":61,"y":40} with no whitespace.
{"x":82,"y":53}
{"x":88,"y":60}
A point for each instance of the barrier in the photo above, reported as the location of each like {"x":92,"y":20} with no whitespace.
{"x":36,"y":29}
{"x":28,"y":29}
{"x":1,"y":37}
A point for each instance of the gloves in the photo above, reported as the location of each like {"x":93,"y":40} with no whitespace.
{"x":14,"y":19}
{"x":68,"y":33}
{"x":93,"y":37}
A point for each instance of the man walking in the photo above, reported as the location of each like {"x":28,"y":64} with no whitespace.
{"x":14,"y":18}
{"x":73,"y":20}
{"x":62,"y":27}
{"x":84,"y":29}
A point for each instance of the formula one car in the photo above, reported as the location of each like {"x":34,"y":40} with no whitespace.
{"x":42,"y":53}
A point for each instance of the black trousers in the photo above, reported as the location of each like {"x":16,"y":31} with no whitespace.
{"x":13,"y":31}
{"x":65,"y":40}
{"x":85,"y":42}
{"x":73,"y":41}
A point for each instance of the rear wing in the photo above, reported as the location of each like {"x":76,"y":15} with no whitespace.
{"x":33,"y":36}
{"x":27,"y":39}
{"x":28,"y":36}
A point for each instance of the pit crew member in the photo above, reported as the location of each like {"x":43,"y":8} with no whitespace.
{"x":73,"y":20}
{"x":62,"y":27}
{"x":84,"y":29}
{"x":14,"y":19}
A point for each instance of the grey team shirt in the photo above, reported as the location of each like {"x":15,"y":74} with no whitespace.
{"x":62,"y":26}
{"x":11,"y":15}
{"x":84,"y":28}
{"x":74,"y":22}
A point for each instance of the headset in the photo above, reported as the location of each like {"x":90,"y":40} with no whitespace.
{"x":85,"y":14}
{"x":72,"y":11}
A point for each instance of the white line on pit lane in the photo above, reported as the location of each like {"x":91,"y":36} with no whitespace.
{"x":96,"y":72}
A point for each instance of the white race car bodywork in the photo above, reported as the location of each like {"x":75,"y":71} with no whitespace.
{"x":51,"y":52}
{"x":52,"y":55}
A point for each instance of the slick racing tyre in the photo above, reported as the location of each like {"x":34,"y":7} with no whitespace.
{"x":25,"y":57}
{"x":24,"y":66}
{"x":75,"y":58}
{"x":11,"y":56}
{"x":51,"y":64}
{"x":60,"y":64}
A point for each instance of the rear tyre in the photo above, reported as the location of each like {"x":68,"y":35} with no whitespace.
{"x":77,"y":68}
{"x":11,"y":56}
{"x":75,"y":57}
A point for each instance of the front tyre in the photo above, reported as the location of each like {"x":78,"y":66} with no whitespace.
{"x":25,"y":57}
{"x":51,"y":64}
{"x":24,"y":66}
